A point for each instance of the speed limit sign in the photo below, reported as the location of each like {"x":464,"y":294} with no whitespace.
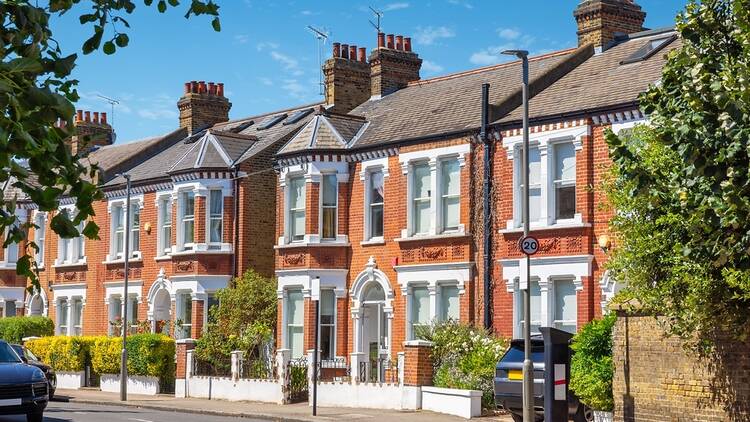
{"x":528,"y":245}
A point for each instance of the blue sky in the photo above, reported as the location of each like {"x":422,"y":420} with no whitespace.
{"x":268,"y":60}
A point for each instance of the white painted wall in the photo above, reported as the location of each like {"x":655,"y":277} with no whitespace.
{"x":464,"y":403}
{"x":70,"y":380}
{"x":369,"y":396}
{"x":227,"y":389}
{"x":136,"y":384}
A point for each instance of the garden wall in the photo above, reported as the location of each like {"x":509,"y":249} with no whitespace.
{"x":657,"y":380}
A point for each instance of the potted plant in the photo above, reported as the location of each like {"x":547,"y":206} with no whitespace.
{"x":592,"y":368}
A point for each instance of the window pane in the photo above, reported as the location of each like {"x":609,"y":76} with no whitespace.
{"x":329,"y":185}
{"x":420,"y":305}
{"x":135,"y":221}
{"x":167,"y":237}
{"x":115,"y":306}
{"x":535,"y":204}
{"x":450,"y":213}
{"x":217,"y":199}
{"x":374,"y":293}
{"x":421,"y":217}
{"x":189,"y":232}
{"x":294,"y":307}
{"x":536,"y":302}
{"x":449,"y":176}
{"x":216,"y":227}
{"x":327,"y":304}
{"x":133,"y":316}
{"x":10,"y":309}
{"x":565,"y":301}
{"x":566,"y":202}
{"x":565,"y":161}
{"x":64,"y":314}
{"x":297,"y":193}
{"x":298,"y":225}
{"x":376,"y":187}
{"x":376,"y":221}
{"x":187,"y":309}
{"x":188,"y":204}
{"x":295,"y":338}
{"x":449,"y":303}
{"x":535,"y":166}
{"x":421,"y":181}
{"x":326,"y":342}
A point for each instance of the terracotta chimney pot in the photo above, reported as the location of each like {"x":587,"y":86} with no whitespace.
{"x":336,"y":49}
{"x":389,"y":42}
{"x":345,"y":51}
{"x":399,"y":42}
{"x":381,"y":40}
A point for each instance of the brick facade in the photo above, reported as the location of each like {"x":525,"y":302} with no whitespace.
{"x":600,"y":20}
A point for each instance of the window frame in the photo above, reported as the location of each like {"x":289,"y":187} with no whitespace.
{"x":184,"y":197}
{"x":290,"y":213}
{"x":287,"y":340}
{"x":135,"y":231}
{"x":40,"y":234}
{"x":76,"y":323}
{"x":556,"y":184}
{"x":165,"y":214}
{"x":185,"y":329}
{"x":211,"y":217}
{"x":323,"y":207}
{"x":63,"y":316}
{"x":369,"y":206}
{"x":414,"y":200}
{"x":442,"y":196}
{"x":71,"y":251}
{"x":411,"y":325}
{"x":332,"y":326}
{"x":440,"y":312}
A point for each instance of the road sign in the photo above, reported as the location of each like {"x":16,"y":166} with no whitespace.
{"x":528,"y":245}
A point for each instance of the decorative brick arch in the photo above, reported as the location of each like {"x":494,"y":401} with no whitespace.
{"x":31,"y":302}
{"x":161,"y":286}
{"x":359,"y":288}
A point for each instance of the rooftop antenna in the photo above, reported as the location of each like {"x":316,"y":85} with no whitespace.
{"x":322,"y":36}
{"x":112,"y":102}
{"x":378,"y":15}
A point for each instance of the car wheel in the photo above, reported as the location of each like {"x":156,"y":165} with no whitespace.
{"x":584,"y":414}
{"x":35,"y":417}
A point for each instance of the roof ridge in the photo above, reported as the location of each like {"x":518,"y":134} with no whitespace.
{"x":489,"y":68}
{"x":255,"y":116}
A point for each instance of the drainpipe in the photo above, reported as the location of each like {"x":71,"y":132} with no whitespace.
{"x":236,"y":223}
{"x":486,"y":188}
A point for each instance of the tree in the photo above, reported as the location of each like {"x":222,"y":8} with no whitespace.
{"x":682,"y":186}
{"x":36,"y":98}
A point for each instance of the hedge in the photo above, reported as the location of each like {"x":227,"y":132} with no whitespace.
{"x":14,"y":329}
{"x":148,"y":354}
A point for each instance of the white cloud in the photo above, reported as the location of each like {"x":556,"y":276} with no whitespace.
{"x":431,"y":68}
{"x":430,"y":34}
{"x":463,"y":3}
{"x":290,"y":65}
{"x":492,"y":54}
{"x":265,"y":81}
{"x":157,"y":113}
{"x":241,"y":38}
{"x":266,"y":46}
{"x":395,"y":6}
{"x":508,"y":33}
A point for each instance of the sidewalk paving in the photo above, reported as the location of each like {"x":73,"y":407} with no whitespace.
{"x":291,"y":412}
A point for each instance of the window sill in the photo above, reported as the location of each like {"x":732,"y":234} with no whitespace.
{"x":7,"y":265}
{"x":165,"y":257}
{"x":122,"y":261}
{"x":558,"y":226}
{"x":418,"y":238}
{"x":195,"y":252}
{"x":312,"y":244}
{"x":377,"y":241}
{"x":70,"y":264}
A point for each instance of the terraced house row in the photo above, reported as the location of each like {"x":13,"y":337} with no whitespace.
{"x":376,"y":192}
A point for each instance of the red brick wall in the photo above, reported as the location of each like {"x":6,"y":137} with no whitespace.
{"x":418,"y":365}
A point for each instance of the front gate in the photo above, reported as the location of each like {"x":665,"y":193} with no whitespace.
{"x":297,"y":380}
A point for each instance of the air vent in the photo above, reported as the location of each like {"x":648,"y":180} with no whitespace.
{"x":649,"y":49}
{"x":297,"y":116}
{"x":271,"y":121}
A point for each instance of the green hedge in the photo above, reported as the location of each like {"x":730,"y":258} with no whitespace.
{"x":591,"y":368}
{"x":148,"y":354}
{"x":14,"y":329}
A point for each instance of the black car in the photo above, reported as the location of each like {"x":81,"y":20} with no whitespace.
{"x":23,"y":387}
{"x":509,"y":383}
{"x":30,"y":358}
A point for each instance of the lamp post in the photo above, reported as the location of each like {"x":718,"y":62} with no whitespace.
{"x":124,"y":353}
{"x":315,"y":296}
{"x":528,"y":366}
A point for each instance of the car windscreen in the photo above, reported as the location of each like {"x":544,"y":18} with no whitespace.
{"x":515,"y":354}
{"x":18,"y":349}
{"x":31,"y":356}
{"x":7,"y":355}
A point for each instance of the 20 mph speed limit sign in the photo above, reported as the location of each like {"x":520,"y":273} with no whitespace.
{"x":528,"y":245}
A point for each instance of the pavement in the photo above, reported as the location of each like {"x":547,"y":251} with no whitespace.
{"x":229,"y":410}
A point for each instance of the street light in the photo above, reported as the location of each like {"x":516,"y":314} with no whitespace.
{"x":528,"y":366}
{"x":124,"y":353}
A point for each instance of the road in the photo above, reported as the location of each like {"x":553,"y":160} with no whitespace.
{"x":79,"y":412}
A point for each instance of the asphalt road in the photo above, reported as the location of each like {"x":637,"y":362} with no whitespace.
{"x":78,"y":412}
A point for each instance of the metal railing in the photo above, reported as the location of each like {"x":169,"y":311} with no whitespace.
{"x":217,"y":367}
{"x":380,"y":370}
{"x":336,"y":369}
{"x":254,"y":367}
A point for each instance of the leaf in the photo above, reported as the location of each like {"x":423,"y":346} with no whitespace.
{"x":122,"y":40}
{"x":109,"y":47}
{"x":216,"y":24}
{"x":162,"y":6}
{"x":25,"y":64}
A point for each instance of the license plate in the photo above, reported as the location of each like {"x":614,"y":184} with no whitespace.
{"x":10,"y":402}
{"x":515,"y":375}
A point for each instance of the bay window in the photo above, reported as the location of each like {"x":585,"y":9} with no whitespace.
{"x":294,"y":323}
{"x":421,"y":198}
{"x":327,"y":324}
{"x":450,"y":188}
{"x":565,"y":180}
{"x":375,"y":204}
{"x":296,"y":213}
{"x":329,"y":205}
{"x":566,"y":308}
{"x":216,"y":215}
{"x":187,"y":219}
{"x":449,"y":303}
{"x":420,"y":309}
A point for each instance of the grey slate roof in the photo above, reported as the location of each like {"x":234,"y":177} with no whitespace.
{"x":326,"y":131}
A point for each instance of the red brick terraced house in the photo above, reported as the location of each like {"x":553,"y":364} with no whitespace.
{"x":380,"y":194}
{"x":202,"y":212}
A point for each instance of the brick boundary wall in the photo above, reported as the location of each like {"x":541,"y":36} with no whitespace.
{"x":657,"y":379}
{"x":418,"y":369}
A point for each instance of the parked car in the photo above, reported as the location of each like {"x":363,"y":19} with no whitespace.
{"x":23,"y":387}
{"x":30,"y":358}
{"x":509,"y":383}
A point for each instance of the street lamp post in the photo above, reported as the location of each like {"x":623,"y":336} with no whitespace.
{"x":124,"y":353}
{"x":528,"y":366}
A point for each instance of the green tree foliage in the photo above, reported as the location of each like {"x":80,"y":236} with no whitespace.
{"x":682,"y":186}
{"x":37,"y":93}
{"x":14,"y":329}
{"x":244,"y":320}
{"x":591,"y":368}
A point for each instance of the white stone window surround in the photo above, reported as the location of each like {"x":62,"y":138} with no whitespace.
{"x":116,"y":289}
{"x":311,"y":172}
{"x":432,"y":157}
{"x":545,"y":141}
{"x":163,"y":246}
{"x":368,"y":167}
{"x":334,"y":279}
{"x":41,"y":295}
{"x":39,"y":218}
{"x":610,"y":287}
{"x":371,"y":274}
{"x":135,"y":200}
{"x":74,"y":253}
{"x":200,"y":188}
{"x":11,"y":294}
{"x":68,"y":293}
{"x":13,"y":251}
{"x":546,"y":270}
{"x":340,"y":178}
{"x":432,"y":276}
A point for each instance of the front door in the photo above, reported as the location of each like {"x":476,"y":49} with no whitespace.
{"x":374,"y":340}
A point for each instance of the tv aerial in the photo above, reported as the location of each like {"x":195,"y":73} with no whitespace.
{"x":321,"y":35}
{"x":112,"y":102}
{"x":378,"y":16}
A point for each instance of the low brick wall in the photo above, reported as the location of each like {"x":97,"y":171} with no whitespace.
{"x":657,"y":380}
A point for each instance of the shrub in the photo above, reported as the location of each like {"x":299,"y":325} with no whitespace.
{"x":591,"y":368}
{"x":14,"y":329}
{"x":464,"y":357}
{"x":148,"y":355}
{"x":105,"y":355}
{"x":61,"y":352}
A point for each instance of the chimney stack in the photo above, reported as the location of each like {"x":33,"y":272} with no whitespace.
{"x":203,"y":105}
{"x":90,"y":132}
{"x":347,"y":77}
{"x":599,"y":20}
{"x":392,"y":67}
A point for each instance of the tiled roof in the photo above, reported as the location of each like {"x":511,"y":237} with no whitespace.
{"x":326,"y":131}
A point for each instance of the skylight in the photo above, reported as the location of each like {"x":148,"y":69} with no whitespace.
{"x":297,"y":116}
{"x":242,"y":126}
{"x":649,"y":49}
{"x":271,"y":121}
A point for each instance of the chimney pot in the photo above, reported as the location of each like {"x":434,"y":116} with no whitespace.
{"x":211,"y":88}
{"x":353,"y":52}
{"x":187,"y":87}
{"x":381,"y":40}
{"x":194,"y":87}
{"x":389,"y":43}
{"x":336,"y":49}
{"x":220,"y":89}
{"x":79,"y":115}
{"x":407,"y":44}
{"x":363,"y":54}
{"x":202,"y":87}
{"x":103,"y":119}
{"x":345,"y":51}
{"x":87,"y":116}
{"x":96,"y":117}
{"x":399,"y":42}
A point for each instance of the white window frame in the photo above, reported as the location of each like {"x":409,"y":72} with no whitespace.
{"x":71,"y":251}
{"x":118,"y":210}
{"x":40,"y":235}
{"x":183,"y":245}
{"x":431,"y":293}
{"x":439,"y":300}
{"x":287,"y":341}
{"x":62,"y":310}
{"x":441,"y":195}
{"x":113,"y":311}
{"x":184,"y":330}
{"x":368,"y":235}
{"x":289,"y":211}
{"x":413,"y":199}
{"x":333,"y":326}
{"x":135,"y":206}
{"x":210,"y":217}
{"x":164,"y":202}
{"x":552,"y":303}
{"x":76,"y":327}
{"x":561,"y":183}
{"x":321,"y":207}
